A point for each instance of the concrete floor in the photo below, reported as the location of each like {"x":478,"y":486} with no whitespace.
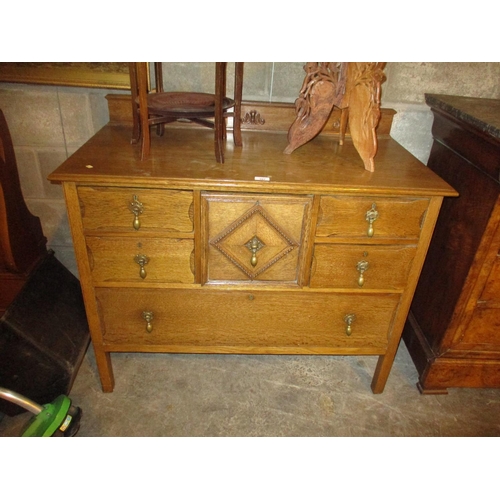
{"x":240,"y":395}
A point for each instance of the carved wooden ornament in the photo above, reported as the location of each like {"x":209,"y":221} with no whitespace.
{"x":352,"y":87}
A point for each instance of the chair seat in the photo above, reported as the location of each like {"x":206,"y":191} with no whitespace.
{"x":184,"y":104}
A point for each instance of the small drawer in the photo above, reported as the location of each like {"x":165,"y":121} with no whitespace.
{"x":370,"y":218}
{"x":256,"y":320}
{"x":145,"y":260}
{"x":136,"y":210}
{"x":361,"y":266}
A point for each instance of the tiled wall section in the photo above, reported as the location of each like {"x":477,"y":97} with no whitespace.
{"x":263,"y":81}
{"x":48,"y":124}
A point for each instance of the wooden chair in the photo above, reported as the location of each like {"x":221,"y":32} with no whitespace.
{"x":166,"y":107}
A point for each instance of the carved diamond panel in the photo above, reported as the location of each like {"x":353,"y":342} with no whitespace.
{"x":254,"y":242}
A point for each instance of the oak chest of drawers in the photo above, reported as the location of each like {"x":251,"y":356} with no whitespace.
{"x":266,"y":254}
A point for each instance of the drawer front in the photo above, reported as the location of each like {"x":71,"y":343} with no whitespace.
{"x":146,"y":260}
{"x":237,"y":318}
{"x":354,"y":217}
{"x":117,"y":209}
{"x":255,"y":238}
{"x":361,"y":266}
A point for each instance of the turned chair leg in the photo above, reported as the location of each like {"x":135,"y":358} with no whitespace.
{"x":344,"y":118}
{"x":238,"y":91}
{"x":220,"y":71}
{"x":160,"y":128}
{"x":136,"y":131}
{"x":142,"y":81}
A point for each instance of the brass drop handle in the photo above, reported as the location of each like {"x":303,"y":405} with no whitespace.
{"x":253,"y":259}
{"x":371,"y":217}
{"x":361,"y":267}
{"x":254,"y":246}
{"x":141,"y":260}
{"x":349,"y":320}
{"x":136,"y":207}
{"x":148,"y":318}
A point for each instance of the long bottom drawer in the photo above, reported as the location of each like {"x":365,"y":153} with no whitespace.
{"x":236,"y":318}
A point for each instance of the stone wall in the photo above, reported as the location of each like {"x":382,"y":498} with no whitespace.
{"x":49,"y":123}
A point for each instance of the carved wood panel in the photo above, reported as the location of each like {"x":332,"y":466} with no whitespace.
{"x":252,"y":239}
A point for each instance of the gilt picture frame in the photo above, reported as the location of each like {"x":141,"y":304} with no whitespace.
{"x":109,"y":75}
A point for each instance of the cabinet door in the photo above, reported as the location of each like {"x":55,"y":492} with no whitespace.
{"x":491,"y":293}
{"x":259,"y":238}
{"x":482,"y":331}
{"x":478,"y":328}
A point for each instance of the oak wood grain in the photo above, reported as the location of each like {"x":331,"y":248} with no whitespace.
{"x":256,"y":318}
{"x":335,"y":266}
{"x":183,"y":159}
{"x":308,"y":209}
{"x":113,"y":259}
{"x":397,"y":218}
{"x":109,"y":209}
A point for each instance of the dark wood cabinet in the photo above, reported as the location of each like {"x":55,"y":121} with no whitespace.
{"x":453,"y":329}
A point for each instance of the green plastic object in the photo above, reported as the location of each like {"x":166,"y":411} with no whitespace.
{"x":52,"y":417}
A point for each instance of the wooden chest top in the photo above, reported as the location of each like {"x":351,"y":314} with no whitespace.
{"x":183,"y":158}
